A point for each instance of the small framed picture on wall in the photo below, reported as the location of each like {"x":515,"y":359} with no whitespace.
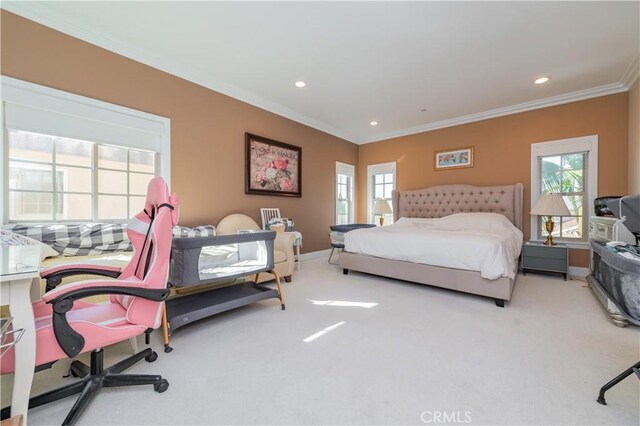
{"x":454,"y":158}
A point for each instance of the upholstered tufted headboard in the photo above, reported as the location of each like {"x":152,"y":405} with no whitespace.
{"x":443,"y":200}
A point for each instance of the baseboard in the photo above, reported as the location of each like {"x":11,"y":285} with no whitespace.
{"x":315,"y":254}
{"x":575,"y":271}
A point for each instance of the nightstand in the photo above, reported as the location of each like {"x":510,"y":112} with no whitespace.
{"x":540,"y":257}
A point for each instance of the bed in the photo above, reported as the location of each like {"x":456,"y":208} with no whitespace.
{"x":443,"y":209}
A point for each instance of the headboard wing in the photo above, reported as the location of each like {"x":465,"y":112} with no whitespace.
{"x":443,"y":200}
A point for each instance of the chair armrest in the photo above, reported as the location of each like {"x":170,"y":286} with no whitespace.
{"x":49,"y":296}
{"x":72,"y":342}
{"x":153,"y":294}
{"x":55,"y":275}
{"x":284,"y":242}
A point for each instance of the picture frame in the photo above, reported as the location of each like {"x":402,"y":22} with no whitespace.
{"x":456,"y":158}
{"x":272,"y":167}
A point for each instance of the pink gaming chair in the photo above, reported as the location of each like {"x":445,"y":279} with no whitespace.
{"x":67,"y":326}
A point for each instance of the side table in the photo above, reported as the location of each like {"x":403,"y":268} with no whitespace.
{"x":536,"y":256}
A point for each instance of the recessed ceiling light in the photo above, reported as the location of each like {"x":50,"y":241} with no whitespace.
{"x":542,"y":80}
{"x":300,"y":84}
{"x":374,"y":123}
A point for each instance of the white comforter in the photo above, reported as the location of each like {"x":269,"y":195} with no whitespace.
{"x":484,"y":242}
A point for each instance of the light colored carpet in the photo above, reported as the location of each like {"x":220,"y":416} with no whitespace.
{"x":409,"y":352}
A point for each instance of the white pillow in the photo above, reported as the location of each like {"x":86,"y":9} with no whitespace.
{"x":9,"y":238}
{"x":480,"y":220}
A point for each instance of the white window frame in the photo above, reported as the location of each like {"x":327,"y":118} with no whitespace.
{"x":349,"y":170}
{"x":43,"y":166}
{"x":39,"y":109}
{"x":587,"y":144}
{"x":377,"y":169}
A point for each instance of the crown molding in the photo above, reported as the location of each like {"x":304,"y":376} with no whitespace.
{"x":43,"y":14}
{"x":632,"y":73}
{"x":608,"y":89}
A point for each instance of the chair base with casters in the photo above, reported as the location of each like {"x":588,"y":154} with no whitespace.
{"x":67,"y":325}
{"x":95,"y":377}
{"x":635,"y":368}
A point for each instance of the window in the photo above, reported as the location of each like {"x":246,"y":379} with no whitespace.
{"x":55,"y":179}
{"x":565,"y":174}
{"x":123,"y":176}
{"x":345,"y":174}
{"x":71,"y":158}
{"x":381,"y":181}
{"x":568,"y":167}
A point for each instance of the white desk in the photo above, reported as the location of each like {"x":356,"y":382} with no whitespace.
{"x":19,"y":269}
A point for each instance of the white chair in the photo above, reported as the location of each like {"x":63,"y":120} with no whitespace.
{"x":266,"y":214}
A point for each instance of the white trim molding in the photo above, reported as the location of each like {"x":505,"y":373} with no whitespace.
{"x":632,"y":73}
{"x":564,"y":146}
{"x":581,"y":95}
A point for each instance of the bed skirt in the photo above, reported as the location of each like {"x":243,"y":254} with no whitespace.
{"x":454,"y":279}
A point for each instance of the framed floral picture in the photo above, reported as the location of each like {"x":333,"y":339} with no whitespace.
{"x":454,"y":158}
{"x":272,"y":167}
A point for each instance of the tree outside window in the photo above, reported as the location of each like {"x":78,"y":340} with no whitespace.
{"x":565,"y":174}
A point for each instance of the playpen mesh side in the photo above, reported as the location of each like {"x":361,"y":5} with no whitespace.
{"x":191,"y":258}
{"x":622,"y":285}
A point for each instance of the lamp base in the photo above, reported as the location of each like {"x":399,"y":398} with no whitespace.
{"x":549,"y":225}
{"x":381,"y":220}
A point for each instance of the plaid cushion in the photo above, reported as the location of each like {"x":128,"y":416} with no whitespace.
{"x":198,"y":231}
{"x":78,"y":240}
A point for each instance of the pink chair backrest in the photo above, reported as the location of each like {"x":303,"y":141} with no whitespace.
{"x":150,"y":235}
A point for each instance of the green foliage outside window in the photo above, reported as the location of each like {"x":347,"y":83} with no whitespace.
{"x":565,"y":174}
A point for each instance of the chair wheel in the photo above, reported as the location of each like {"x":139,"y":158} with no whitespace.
{"x":162,"y":386}
{"x":167,"y":349}
{"x":151,"y":357}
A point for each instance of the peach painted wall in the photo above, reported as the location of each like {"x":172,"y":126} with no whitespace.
{"x":503,"y":150}
{"x":634,"y":138}
{"x":207,"y":128}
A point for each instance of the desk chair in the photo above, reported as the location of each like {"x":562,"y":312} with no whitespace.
{"x":337,"y":234}
{"x":67,"y":326}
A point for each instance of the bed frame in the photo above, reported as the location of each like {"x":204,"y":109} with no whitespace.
{"x":439,"y":201}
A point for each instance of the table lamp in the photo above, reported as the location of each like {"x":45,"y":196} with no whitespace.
{"x":550,"y":205}
{"x":381,"y":207}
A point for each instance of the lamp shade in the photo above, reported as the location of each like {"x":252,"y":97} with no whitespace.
{"x":381,"y":206}
{"x":550,"y":205}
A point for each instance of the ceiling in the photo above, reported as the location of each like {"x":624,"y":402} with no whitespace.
{"x":365,"y":61}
